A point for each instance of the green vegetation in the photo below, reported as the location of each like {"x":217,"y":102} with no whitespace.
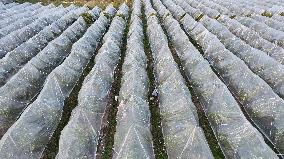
{"x":89,"y":19}
{"x":199,"y":17}
{"x":267,"y":14}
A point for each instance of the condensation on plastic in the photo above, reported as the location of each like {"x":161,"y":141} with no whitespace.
{"x":229,"y":124}
{"x":22,"y":88}
{"x":235,"y":9}
{"x":22,"y":22}
{"x":6,"y":1}
{"x":183,"y":136}
{"x":269,"y":21}
{"x":217,"y":7}
{"x":10,"y":5}
{"x":279,"y":18}
{"x":11,"y":19}
{"x":5,"y":21}
{"x":133,"y":137}
{"x":259,"y":62}
{"x":264,"y":31}
{"x":45,"y":112}
{"x":79,"y":138}
{"x":206,"y":10}
{"x":16,"y":59}
{"x":196,"y":13}
{"x":258,"y":99}
{"x":16,"y":38}
{"x":15,"y":8}
{"x":253,"y":38}
{"x":30,"y":7}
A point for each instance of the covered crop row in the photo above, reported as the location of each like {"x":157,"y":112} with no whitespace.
{"x":183,"y":136}
{"x":227,"y":120}
{"x":133,"y":137}
{"x":80,"y":136}
{"x":16,"y":38}
{"x":257,"y":98}
{"x":179,"y":79}
{"x":259,"y":62}
{"x":27,"y":83}
{"x":253,"y":38}
{"x":268,"y":33}
{"x":45,"y":112}
{"x":5,"y":21}
{"x":16,"y":59}
{"x":24,"y":21}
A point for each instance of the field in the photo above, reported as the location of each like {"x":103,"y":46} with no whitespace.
{"x":142,"y":79}
{"x":89,"y":3}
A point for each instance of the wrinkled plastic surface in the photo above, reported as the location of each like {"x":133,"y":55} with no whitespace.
{"x":22,"y":88}
{"x":230,"y":126}
{"x":11,"y":19}
{"x":16,"y":59}
{"x":19,"y":22}
{"x":183,"y":137}
{"x":258,"y":99}
{"x":271,"y":71}
{"x":133,"y":137}
{"x":45,"y":112}
{"x":269,"y":22}
{"x":253,"y":38}
{"x":264,"y":31}
{"x":79,"y":137}
{"x":16,"y":38}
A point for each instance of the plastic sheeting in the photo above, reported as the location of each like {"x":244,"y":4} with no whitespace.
{"x":20,"y":23}
{"x":259,"y":62}
{"x":16,"y":38}
{"x":15,"y":7}
{"x":235,"y":9}
{"x":229,"y":124}
{"x":16,"y":59}
{"x":269,"y":21}
{"x":253,"y":38}
{"x":79,"y":138}
{"x":11,"y":19}
{"x":206,"y":10}
{"x":264,"y":31}
{"x":196,"y":13}
{"x":133,"y":137}
{"x":217,"y":7}
{"x":258,"y":99}
{"x":10,"y":5}
{"x":48,"y":106}
{"x":45,"y":112}
{"x":20,"y":90}
{"x":183,"y":137}
{"x":278,"y":18}
{"x":30,"y":7}
{"x":6,"y":1}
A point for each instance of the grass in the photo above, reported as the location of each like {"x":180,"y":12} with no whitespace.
{"x":90,"y":3}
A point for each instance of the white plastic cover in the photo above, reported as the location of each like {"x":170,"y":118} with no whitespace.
{"x":79,"y":138}
{"x":133,"y":137}
{"x":183,"y":136}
